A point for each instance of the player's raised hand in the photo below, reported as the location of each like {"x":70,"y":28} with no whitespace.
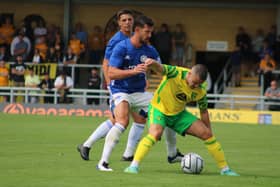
{"x":149,"y":61}
{"x":141,"y":68}
{"x":154,"y":65}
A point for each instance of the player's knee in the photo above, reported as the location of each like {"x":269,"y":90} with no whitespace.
{"x":206,"y":134}
{"x":124,"y":122}
{"x":112,"y":119}
{"x":140,"y":120}
{"x":156,"y":133}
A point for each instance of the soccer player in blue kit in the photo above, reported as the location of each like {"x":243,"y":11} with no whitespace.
{"x":127,"y":73}
{"x":125,"y":21}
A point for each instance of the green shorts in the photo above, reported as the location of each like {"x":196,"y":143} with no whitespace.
{"x":179,"y":122}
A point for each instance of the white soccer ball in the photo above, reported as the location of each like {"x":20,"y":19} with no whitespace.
{"x":192,"y":163}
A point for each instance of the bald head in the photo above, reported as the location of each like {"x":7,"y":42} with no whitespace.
{"x":200,"y":71}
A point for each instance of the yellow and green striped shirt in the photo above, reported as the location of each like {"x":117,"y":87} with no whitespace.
{"x":173,"y":93}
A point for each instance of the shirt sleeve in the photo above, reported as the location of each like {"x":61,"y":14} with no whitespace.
{"x":57,"y":81}
{"x":170,"y":71}
{"x":116,"y":59}
{"x":202,"y":103}
{"x":156,"y":55}
{"x":109,"y":50}
{"x":69,"y":82}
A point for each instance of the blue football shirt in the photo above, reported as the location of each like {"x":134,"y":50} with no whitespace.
{"x":119,"y":36}
{"x":126,"y":56}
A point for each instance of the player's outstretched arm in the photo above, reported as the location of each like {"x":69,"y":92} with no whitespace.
{"x":116,"y":73}
{"x":105,"y":68}
{"x":154,"y":65}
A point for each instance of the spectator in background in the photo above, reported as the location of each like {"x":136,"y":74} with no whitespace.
{"x":42,"y":46}
{"x":236,"y":67}
{"x":18,"y":70}
{"x":39,"y":30}
{"x":20,"y":46}
{"x":277,"y":52}
{"x":265,"y":49}
{"x":267,"y":65}
{"x":243,"y":40}
{"x":257,"y":44}
{"x":163,"y":43}
{"x":273,"y":94}
{"x":94,"y":83}
{"x":96,"y":45}
{"x":63,"y":83}
{"x":25,"y":29}
{"x":3,"y":53}
{"x":179,"y":40}
{"x":76,"y":45}
{"x":37,"y":58}
{"x":17,"y":73}
{"x":47,"y":85}
{"x":4,"y":78}
{"x":59,"y":44}
{"x":81,"y":34}
{"x":7,"y":32}
{"x":271,"y":37}
{"x":32,"y":81}
{"x":53,"y":56}
{"x":69,"y":58}
{"x":50,"y":37}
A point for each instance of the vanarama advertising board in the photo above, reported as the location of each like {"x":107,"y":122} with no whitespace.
{"x":216,"y":115}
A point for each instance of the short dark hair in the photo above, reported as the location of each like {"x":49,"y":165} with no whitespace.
{"x":124,"y":11}
{"x":141,"y":21}
{"x":201,"y":71}
{"x":94,"y":68}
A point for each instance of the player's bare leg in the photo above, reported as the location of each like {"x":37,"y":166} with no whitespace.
{"x":199,"y":129}
{"x":99,"y":133}
{"x":121,"y":113}
{"x":134,"y":136}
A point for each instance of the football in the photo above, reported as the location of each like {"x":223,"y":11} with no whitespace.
{"x":192,"y":163}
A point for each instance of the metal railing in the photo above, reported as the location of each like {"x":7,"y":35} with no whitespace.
{"x":84,"y":94}
{"x":26,"y":92}
{"x":222,"y":79}
{"x":73,"y":67}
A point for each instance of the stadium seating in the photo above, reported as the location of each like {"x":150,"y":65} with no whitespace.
{"x":249,"y":87}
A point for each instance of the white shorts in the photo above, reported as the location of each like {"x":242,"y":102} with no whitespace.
{"x":138,"y":102}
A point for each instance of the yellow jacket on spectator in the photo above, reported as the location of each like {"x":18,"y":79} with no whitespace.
{"x":4,"y":80}
{"x":6,"y":33}
{"x":77,"y":46}
{"x":43,"y":49}
{"x":267,"y":65}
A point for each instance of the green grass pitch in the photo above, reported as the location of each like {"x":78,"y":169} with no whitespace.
{"x":39,"y":151}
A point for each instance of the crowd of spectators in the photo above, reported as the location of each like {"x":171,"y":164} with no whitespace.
{"x":40,"y":43}
{"x":257,"y":54}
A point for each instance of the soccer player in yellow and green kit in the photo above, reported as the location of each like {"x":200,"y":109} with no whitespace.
{"x":178,"y":87}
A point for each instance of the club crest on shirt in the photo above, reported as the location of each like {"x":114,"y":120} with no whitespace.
{"x":143,"y":58}
{"x":181,"y":96}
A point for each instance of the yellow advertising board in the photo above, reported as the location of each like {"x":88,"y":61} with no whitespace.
{"x":241,"y":116}
{"x":42,"y":69}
